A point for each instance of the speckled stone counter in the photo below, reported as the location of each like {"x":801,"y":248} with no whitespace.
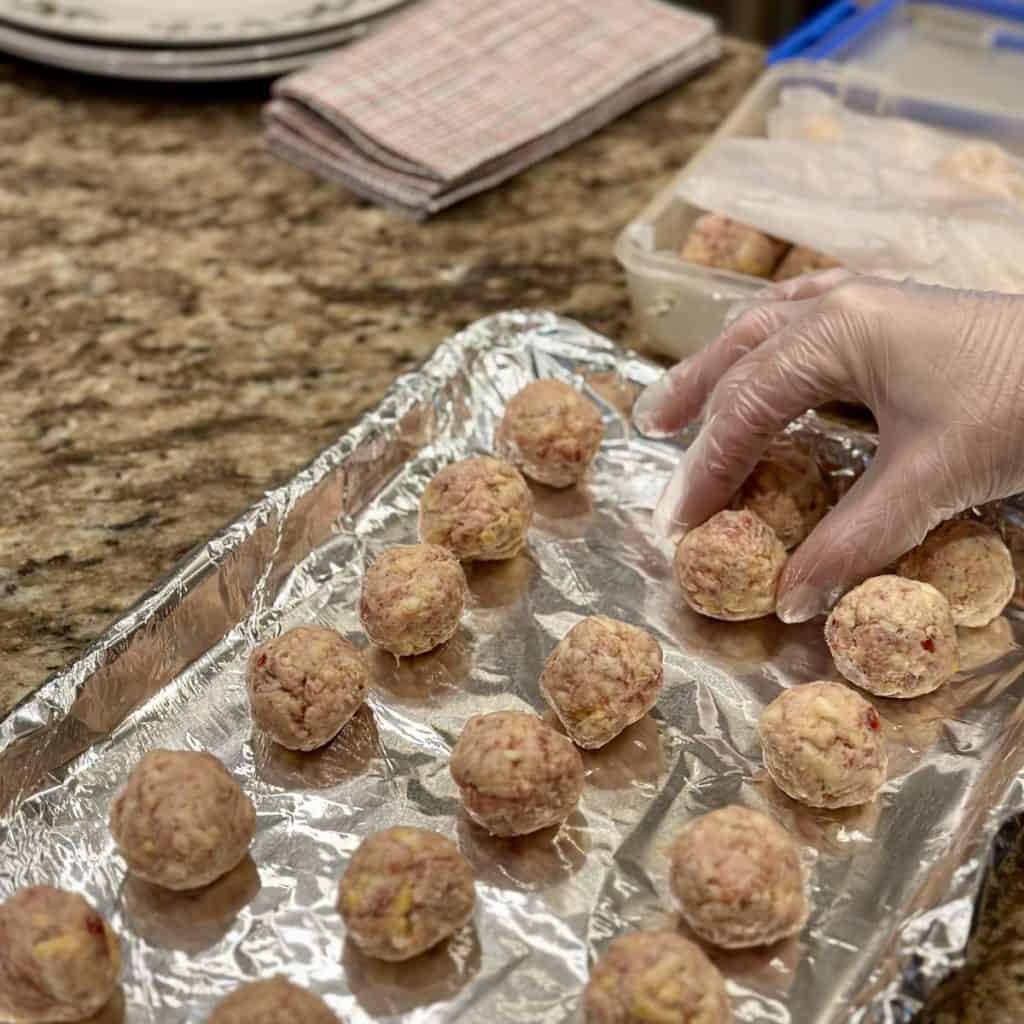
{"x":185,"y":321}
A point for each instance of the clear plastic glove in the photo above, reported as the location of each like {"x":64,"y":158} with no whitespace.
{"x":942,"y":371}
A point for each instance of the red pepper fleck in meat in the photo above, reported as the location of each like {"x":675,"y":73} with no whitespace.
{"x":261,"y":660}
{"x":928,"y":644}
{"x":93,"y":924}
{"x":873,"y":720}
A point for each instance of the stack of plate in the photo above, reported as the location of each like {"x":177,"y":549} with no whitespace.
{"x":186,"y":40}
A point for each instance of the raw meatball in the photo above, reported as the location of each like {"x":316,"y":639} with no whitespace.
{"x":823,"y":745}
{"x":802,"y":260}
{"x":603,"y":676}
{"x":737,"y":878}
{"x":516,"y":774}
{"x":551,"y":432}
{"x":479,"y":508}
{"x":275,"y":1001}
{"x":894,"y":637}
{"x":729,"y":567}
{"x":725,"y":244}
{"x":59,"y":960}
{"x":412,"y":598}
{"x":655,"y":978}
{"x":180,"y":820}
{"x":404,"y":891}
{"x":786,"y":489}
{"x":970,"y":565}
{"x":305,"y":685}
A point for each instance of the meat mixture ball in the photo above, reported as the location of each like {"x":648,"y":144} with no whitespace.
{"x":478,"y":508}
{"x":404,"y":891}
{"x":655,"y":977}
{"x":59,"y":960}
{"x":412,"y":599}
{"x":180,"y":820}
{"x":551,"y":432}
{"x":823,"y":745}
{"x":516,"y":773}
{"x":604,"y":675}
{"x":737,"y":878}
{"x":970,"y":565}
{"x":802,"y":260}
{"x":305,"y":685}
{"x":729,"y":567}
{"x":716,"y":241}
{"x":274,"y":1001}
{"x":786,"y":489}
{"x":894,"y":637}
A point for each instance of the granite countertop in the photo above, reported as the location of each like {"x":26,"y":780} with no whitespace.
{"x":185,"y":321}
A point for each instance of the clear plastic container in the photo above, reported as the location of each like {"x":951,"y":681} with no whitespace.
{"x":680,"y":306}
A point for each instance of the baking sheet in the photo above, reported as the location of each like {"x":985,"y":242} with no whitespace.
{"x":893,"y":884}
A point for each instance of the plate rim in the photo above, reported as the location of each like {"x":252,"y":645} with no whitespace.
{"x":61,"y":18}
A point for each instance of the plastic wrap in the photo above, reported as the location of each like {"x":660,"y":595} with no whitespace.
{"x":881,"y":195}
{"x":893,"y":884}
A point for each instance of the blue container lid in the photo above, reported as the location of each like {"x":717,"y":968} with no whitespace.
{"x":968,"y":52}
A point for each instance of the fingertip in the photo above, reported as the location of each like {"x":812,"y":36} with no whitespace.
{"x":668,"y":522}
{"x":660,"y":410}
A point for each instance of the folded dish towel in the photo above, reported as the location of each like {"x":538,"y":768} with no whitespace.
{"x":453,"y":96}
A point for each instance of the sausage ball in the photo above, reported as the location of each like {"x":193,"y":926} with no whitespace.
{"x":516,"y":773}
{"x":786,"y":489}
{"x":729,"y":567}
{"x":412,"y":599}
{"x":655,"y":977}
{"x":274,"y":1001}
{"x":603,"y":676}
{"x":968,"y":563}
{"x":404,"y":891}
{"x":823,"y":745}
{"x":802,"y":260}
{"x":478,"y":508}
{"x":305,"y":685}
{"x":59,"y":960}
{"x":737,"y":878}
{"x":180,"y":820}
{"x":716,"y":241}
{"x":894,"y":637}
{"x":551,"y":432}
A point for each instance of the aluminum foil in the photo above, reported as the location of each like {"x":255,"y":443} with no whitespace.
{"x":893,"y":884}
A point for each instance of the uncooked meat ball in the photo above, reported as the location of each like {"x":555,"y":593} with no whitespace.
{"x":655,"y":977}
{"x":551,"y":432}
{"x":478,"y":508}
{"x":970,"y":565}
{"x":412,"y":598}
{"x":180,"y":820}
{"x":823,"y":745}
{"x":786,"y":489}
{"x":603,"y":676}
{"x":729,"y":567}
{"x":305,"y":685}
{"x":894,"y":637}
{"x":59,"y":960}
{"x":404,"y":891}
{"x":274,"y":1001}
{"x":716,"y":241}
{"x":737,"y":878}
{"x":802,"y":260}
{"x":516,"y":773}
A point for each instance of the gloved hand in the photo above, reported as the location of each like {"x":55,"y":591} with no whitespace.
{"x":942,"y":371}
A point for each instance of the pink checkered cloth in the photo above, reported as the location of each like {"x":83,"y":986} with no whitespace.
{"x":453,"y":96}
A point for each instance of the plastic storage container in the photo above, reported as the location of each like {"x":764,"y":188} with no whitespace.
{"x":681,"y":306}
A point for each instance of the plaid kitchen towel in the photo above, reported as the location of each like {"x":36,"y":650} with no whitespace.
{"x":453,"y":96}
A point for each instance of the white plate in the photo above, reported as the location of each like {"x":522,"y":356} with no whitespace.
{"x":188,"y":21}
{"x":211,"y":65}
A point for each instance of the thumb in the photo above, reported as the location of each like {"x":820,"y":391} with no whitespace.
{"x":887,"y":512}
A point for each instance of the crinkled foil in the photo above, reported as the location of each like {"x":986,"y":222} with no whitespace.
{"x":893,"y":884}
